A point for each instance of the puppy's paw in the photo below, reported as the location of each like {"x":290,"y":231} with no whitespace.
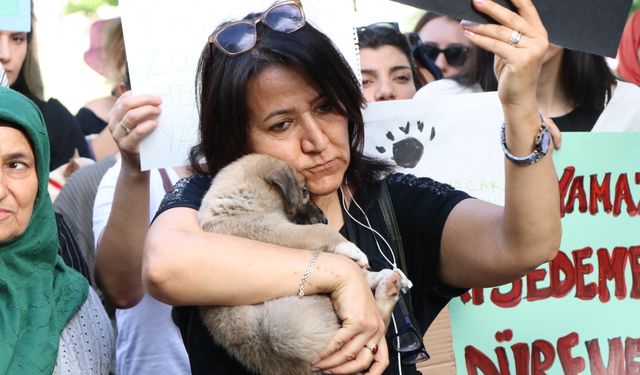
{"x":352,"y":251}
{"x":386,"y":283}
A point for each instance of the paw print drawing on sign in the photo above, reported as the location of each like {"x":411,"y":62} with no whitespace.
{"x":407,"y":151}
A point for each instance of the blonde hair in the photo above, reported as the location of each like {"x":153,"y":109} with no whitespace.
{"x":114,"y":53}
{"x":29,"y":80}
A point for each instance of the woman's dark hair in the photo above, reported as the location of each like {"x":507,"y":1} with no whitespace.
{"x":222,"y":83}
{"x":376,"y":36}
{"x":478,"y":69}
{"x":586,"y":79}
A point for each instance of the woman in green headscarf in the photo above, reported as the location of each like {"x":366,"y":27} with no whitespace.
{"x":51,"y":321}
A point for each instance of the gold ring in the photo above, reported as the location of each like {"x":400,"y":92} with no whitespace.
{"x":123,"y":126}
{"x":516,"y":37}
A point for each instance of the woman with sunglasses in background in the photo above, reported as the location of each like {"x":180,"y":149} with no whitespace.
{"x":475,"y":76}
{"x":387,"y":66}
{"x":577,"y":90}
{"x":274,"y":84}
{"x":443,"y":41}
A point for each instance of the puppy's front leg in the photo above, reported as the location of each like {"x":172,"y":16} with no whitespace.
{"x":321,"y":237}
{"x":386,"y":286}
{"x":349,"y":249}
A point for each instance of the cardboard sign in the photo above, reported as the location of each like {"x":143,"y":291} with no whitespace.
{"x":164,"y":42}
{"x":593,"y":26}
{"x":15,"y":15}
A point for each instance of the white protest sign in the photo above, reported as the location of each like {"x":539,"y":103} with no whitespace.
{"x":164,"y":40}
{"x":453,"y":139}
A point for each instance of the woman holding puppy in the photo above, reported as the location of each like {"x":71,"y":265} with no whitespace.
{"x":276,"y":85}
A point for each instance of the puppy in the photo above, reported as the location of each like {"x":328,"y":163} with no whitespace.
{"x":265,"y":199}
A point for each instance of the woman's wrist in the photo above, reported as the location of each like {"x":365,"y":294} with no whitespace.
{"x":330,"y":272}
{"x":521,"y":129}
{"x":132,"y":172}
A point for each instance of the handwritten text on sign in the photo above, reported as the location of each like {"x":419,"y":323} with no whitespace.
{"x":579,"y":313}
{"x":575,"y":315}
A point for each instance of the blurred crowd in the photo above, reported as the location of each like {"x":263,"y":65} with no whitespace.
{"x":103,"y":203}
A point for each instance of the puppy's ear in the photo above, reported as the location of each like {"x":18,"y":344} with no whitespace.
{"x":285,"y":181}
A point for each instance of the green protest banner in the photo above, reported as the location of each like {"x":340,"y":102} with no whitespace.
{"x":578,"y":314}
{"x":575,"y":315}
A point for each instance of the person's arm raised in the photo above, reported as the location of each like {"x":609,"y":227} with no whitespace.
{"x":484,"y":244}
{"x":118,"y":266}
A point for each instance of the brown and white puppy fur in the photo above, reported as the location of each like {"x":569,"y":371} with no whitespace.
{"x":265,"y":199}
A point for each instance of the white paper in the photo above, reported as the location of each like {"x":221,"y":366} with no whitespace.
{"x":164,"y":40}
{"x":465,"y":151}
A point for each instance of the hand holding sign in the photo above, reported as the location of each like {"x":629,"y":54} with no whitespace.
{"x":519,"y":44}
{"x":592,"y":26}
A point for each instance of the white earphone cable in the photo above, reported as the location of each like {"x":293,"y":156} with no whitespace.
{"x":392,"y":262}
{"x":368,"y":226}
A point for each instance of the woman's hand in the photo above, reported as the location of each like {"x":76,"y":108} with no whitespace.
{"x":362,"y":326}
{"x":518,"y":57}
{"x":133,"y":118}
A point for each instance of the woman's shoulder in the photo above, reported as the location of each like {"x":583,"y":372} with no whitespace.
{"x":87,"y":342}
{"x":187,"y":192}
{"x":53,"y":105}
{"x":200,"y":181}
{"x":426,"y":184}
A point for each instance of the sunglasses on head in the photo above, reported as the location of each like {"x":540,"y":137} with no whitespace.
{"x":456,"y":54}
{"x":240,"y":36}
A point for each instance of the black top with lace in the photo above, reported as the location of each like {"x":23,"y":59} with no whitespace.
{"x":421,"y":207}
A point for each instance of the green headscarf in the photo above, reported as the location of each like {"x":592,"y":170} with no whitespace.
{"x":39,"y":294}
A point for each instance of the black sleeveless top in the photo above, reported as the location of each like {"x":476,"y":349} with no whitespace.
{"x":421,"y":208}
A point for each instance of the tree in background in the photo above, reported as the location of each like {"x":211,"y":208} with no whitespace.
{"x":88,"y":7}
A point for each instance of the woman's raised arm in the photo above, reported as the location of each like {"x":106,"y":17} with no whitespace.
{"x":484,"y":244}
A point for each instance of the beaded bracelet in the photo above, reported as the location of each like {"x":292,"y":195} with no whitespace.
{"x":307,"y":272}
{"x":541,"y":145}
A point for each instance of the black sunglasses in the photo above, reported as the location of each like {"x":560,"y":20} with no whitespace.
{"x":240,"y":36}
{"x":456,"y":54}
{"x":409,"y":342}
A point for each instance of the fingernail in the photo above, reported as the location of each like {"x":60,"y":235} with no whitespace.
{"x":467,"y":23}
{"x":468,"y":32}
{"x":313,"y":369}
{"x":316,"y":360}
{"x":479,"y":2}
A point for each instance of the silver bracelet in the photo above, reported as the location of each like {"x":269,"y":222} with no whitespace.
{"x":541,"y":146}
{"x":307,"y":272}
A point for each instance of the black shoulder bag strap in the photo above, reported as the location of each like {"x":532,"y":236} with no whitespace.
{"x":384,"y":199}
{"x":388,"y":213}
